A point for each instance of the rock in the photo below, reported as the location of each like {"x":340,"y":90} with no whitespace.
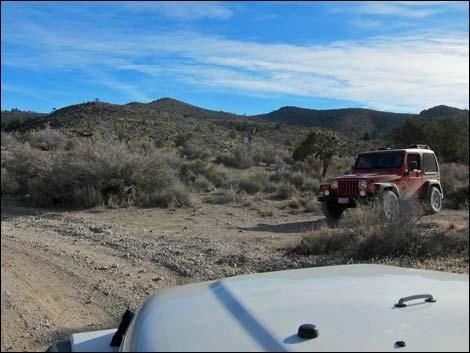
{"x":158,"y":279}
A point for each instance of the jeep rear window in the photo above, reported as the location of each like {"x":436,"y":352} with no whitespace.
{"x":430,"y":164}
{"x":385,"y":160}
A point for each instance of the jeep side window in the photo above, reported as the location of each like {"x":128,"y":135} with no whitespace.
{"x":413,"y":158}
{"x":430,"y":163}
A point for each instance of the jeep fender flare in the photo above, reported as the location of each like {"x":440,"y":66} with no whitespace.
{"x":430,"y":183}
{"x":380,"y":187}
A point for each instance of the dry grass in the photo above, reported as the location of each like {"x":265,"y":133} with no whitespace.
{"x":455,"y":183}
{"x":364,"y":234}
{"x":270,"y":212}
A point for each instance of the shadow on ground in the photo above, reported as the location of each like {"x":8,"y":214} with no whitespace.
{"x":295,"y":227}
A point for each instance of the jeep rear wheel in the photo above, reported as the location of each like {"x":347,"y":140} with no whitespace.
{"x":391,"y":204}
{"x":331,"y":210}
{"x":434,"y":201}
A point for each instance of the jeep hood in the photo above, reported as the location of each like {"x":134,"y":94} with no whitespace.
{"x":376,"y":177}
{"x":352,"y":306}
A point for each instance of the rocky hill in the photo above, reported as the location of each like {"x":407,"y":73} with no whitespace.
{"x":163,"y":119}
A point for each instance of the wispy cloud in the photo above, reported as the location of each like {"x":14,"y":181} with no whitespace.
{"x":401,"y":73}
{"x":409,"y":9}
{"x":184,"y":10}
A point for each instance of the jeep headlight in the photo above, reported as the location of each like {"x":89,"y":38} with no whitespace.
{"x":362,"y":184}
{"x":334,"y":184}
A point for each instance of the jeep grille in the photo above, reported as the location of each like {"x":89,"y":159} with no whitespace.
{"x":348,"y":187}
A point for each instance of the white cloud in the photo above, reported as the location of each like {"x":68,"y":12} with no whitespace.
{"x":185,"y":10}
{"x":410,"y":9}
{"x":406,"y":73}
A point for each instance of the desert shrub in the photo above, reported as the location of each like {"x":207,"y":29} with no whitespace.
{"x":231,"y":182}
{"x":9,"y":184}
{"x":306,"y":204}
{"x":227,"y":196}
{"x":181,"y":139}
{"x":170,"y":157}
{"x":23,"y":163}
{"x":310,"y":204}
{"x":281,"y":175}
{"x":296,"y":179}
{"x":192,"y":169}
{"x":285,"y":191}
{"x":310,"y":167}
{"x":241,"y":157}
{"x":267,"y":155}
{"x":311,"y":185}
{"x":46,"y":139}
{"x":177,"y":195}
{"x":228,"y":159}
{"x":86,"y":197}
{"x":195,"y":149}
{"x":341,"y":165}
{"x":102,"y":171}
{"x":201,"y":184}
{"x":455,"y":184}
{"x":8,"y":140}
{"x":253,"y":183}
{"x":365,"y":234}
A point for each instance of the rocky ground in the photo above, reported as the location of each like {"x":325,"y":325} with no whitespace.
{"x":70,"y":271}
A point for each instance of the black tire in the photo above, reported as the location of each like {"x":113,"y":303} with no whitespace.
{"x":433,"y":203}
{"x":390,"y":204}
{"x":332,"y":211}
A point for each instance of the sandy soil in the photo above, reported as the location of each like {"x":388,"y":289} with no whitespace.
{"x":70,"y":271}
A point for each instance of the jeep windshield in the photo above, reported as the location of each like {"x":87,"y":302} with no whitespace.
{"x":380,"y":160}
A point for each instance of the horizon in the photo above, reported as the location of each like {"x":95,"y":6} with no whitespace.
{"x":243,"y":58}
{"x":225,"y":111}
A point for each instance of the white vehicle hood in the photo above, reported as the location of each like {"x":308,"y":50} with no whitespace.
{"x":352,"y":307}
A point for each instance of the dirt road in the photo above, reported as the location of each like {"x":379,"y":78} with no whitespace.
{"x":64,"y":272}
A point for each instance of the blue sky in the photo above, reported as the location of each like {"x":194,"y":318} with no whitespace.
{"x":243,"y":57}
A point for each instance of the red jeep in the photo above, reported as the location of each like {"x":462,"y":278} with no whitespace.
{"x":388,"y":175}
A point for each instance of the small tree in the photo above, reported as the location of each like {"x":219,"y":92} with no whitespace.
{"x":322,"y":144}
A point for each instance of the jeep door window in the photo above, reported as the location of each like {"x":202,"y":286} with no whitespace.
{"x":413,"y":158}
{"x":430,"y":163}
{"x":385,"y":160}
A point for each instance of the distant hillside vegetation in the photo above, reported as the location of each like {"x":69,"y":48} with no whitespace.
{"x":443,"y":112}
{"x":357,"y":120}
{"x":15,"y":118}
{"x":164,"y":119}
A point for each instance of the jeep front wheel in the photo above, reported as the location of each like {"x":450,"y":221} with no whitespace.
{"x":434,"y":201}
{"x":391,"y":204}
{"x":331,"y":210}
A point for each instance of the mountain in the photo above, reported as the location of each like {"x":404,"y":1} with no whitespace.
{"x":164,"y":118}
{"x":355,"y":120}
{"x":443,"y":112}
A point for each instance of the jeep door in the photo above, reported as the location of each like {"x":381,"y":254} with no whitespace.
{"x":412,"y":181}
